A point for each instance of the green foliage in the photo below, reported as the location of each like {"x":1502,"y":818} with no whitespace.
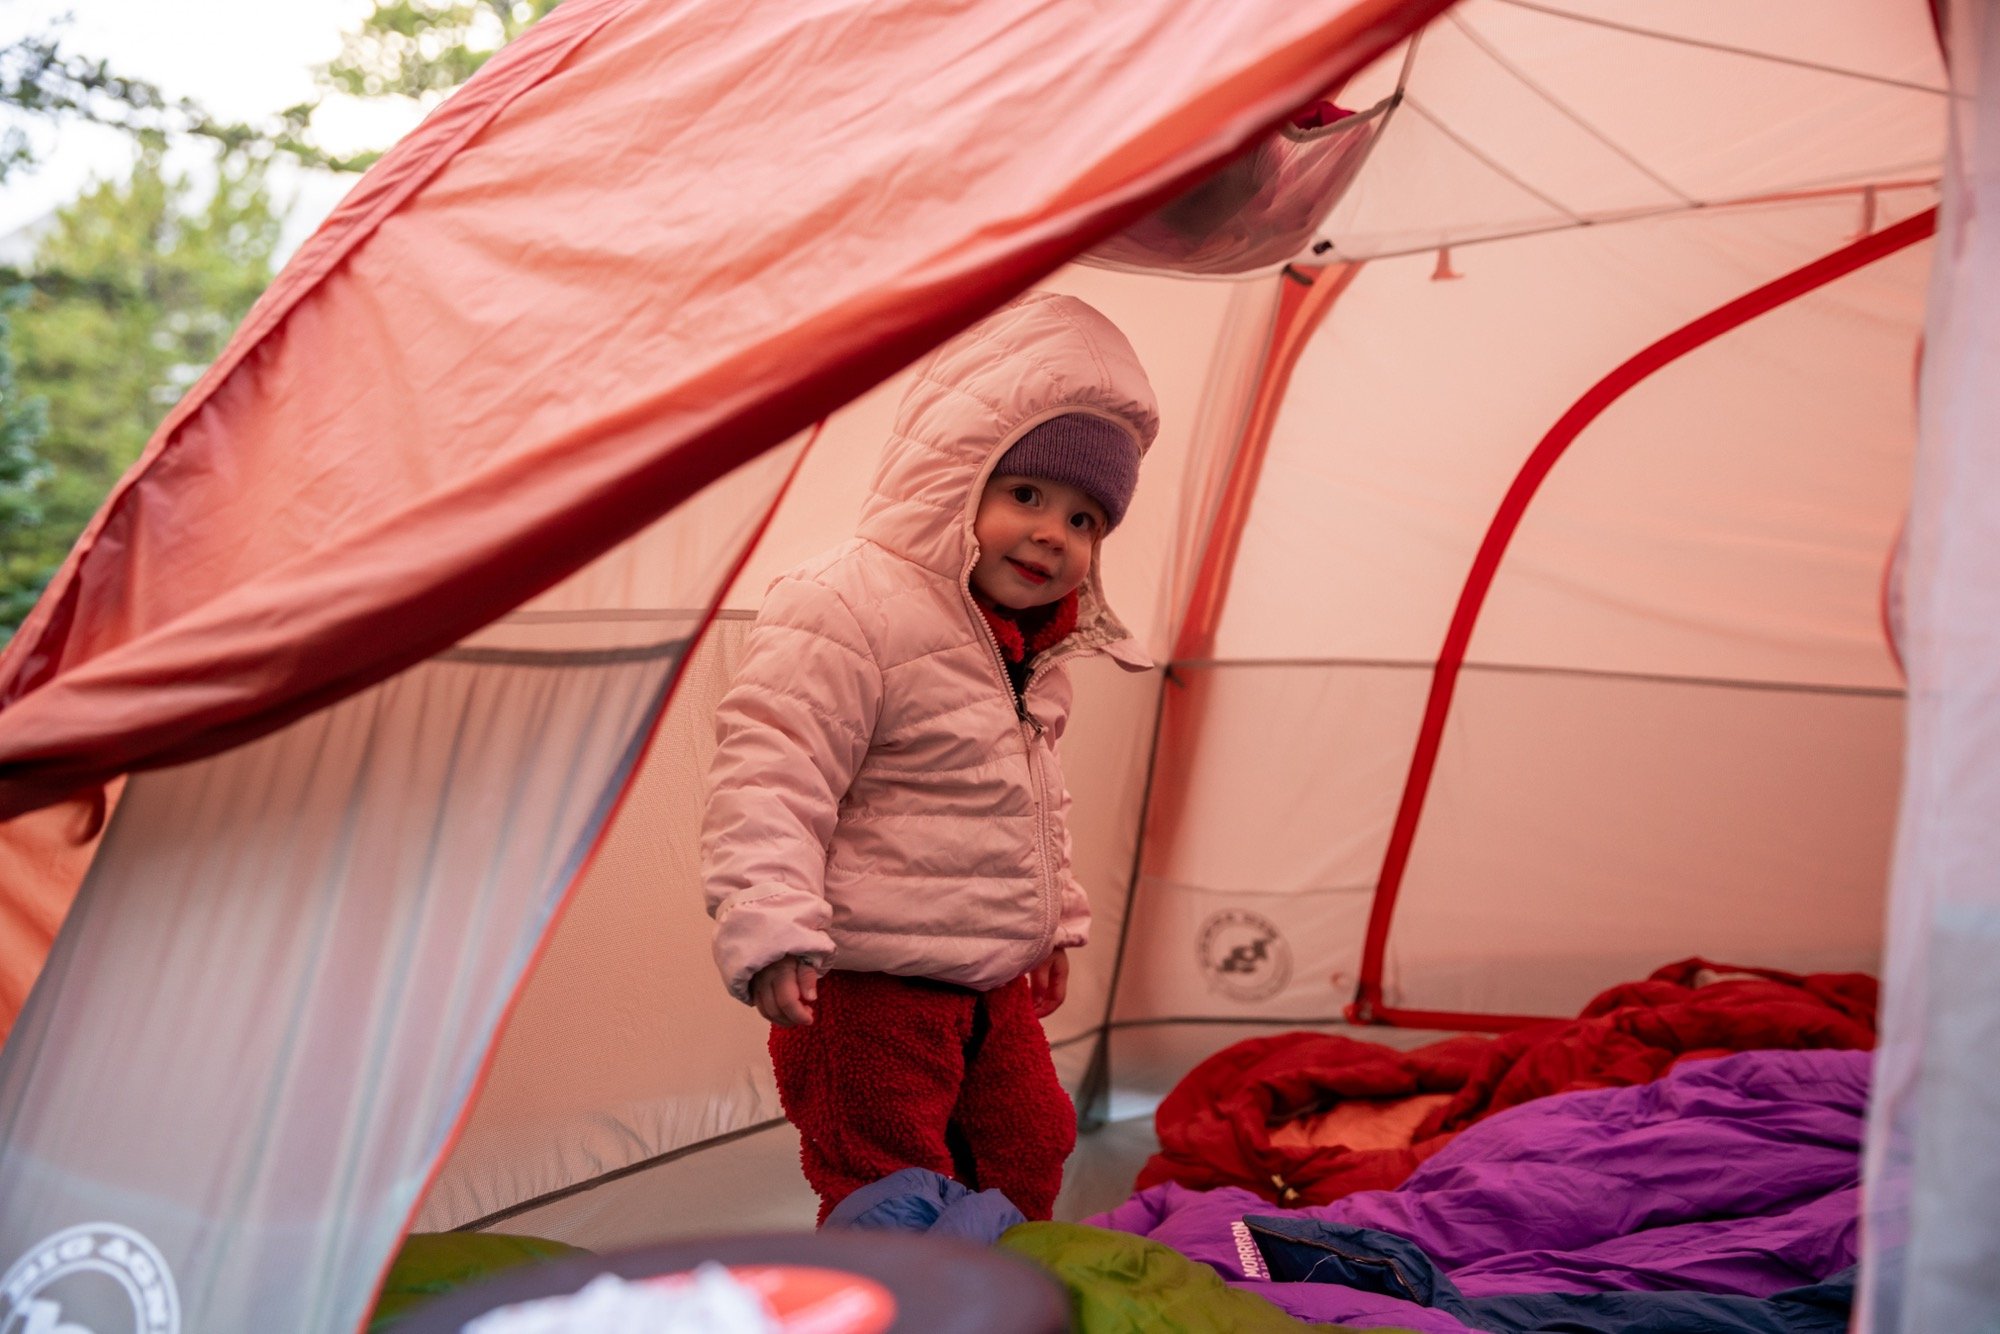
{"x":410,"y":48}
{"x":24,"y":476}
{"x":38,"y":77}
{"x":134,"y":291}
{"x":136,"y":288}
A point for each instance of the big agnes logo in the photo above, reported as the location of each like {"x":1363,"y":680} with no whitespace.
{"x":95,"y":1278}
{"x":1243,"y":955}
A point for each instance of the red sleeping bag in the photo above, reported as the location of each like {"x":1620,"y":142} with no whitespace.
{"x":1305,"y":1118}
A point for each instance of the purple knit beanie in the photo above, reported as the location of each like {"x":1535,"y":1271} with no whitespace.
{"x":1096,"y":456}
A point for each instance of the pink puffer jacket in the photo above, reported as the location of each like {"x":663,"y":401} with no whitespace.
{"x":877,"y":803}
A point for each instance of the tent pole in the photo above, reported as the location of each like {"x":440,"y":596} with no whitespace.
{"x":1093,"y":1096}
{"x":1368,"y":1006}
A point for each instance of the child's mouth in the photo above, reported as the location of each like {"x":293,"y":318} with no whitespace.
{"x":1034,"y":574}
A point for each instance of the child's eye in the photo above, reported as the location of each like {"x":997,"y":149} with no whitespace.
{"x":1024,"y":495}
{"x":1083,"y":521}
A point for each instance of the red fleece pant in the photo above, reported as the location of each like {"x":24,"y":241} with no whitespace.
{"x":898,"y":1072}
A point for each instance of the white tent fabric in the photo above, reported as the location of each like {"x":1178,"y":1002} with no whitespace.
{"x":1933,"y":1186}
{"x":1692,"y":597}
{"x":278,"y":1024}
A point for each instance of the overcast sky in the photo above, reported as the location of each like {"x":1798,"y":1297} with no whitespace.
{"x":242,"y":59}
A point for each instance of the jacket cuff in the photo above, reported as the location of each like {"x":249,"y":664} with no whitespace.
{"x":760,"y":925}
{"x":1073,"y":931}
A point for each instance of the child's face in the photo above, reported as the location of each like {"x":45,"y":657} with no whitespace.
{"x":1036,"y":540}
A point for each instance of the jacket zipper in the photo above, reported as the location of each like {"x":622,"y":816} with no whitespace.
{"x":1000,"y":665}
{"x":1031,"y":732}
{"x":1053,"y":924}
{"x":1051,"y":892}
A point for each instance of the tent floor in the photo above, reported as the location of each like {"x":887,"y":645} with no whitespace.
{"x":753,"y":1184}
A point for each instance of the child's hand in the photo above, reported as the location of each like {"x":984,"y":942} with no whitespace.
{"x":1049,"y":984}
{"x":784,"y":992}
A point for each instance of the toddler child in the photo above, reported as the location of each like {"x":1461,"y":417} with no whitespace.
{"x":885,"y":850}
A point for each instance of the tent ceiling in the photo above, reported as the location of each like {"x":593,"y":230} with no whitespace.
{"x":1521,"y":116}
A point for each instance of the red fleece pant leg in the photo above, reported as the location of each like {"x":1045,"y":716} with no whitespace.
{"x":1016,"y":1118}
{"x":871,"y":1082}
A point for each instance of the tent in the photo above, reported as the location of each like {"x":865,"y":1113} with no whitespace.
{"x":1515,"y":555}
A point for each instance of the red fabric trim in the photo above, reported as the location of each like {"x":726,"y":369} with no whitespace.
{"x":583,"y":868}
{"x":1368,"y":1006}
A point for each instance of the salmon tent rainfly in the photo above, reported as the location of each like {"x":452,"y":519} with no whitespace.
{"x":1515,"y":554}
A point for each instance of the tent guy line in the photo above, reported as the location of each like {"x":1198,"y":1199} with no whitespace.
{"x":1522,"y":76}
{"x":1437,"y":123}
{"x":630,"y":1169}
{"x":1726,"y":49}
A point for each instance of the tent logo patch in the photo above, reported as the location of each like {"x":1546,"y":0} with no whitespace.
{"x":1243,"y":955}
{"x":94,"y":1278}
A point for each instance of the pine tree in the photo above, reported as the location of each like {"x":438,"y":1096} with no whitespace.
{"x":24,"y":477}
{"x":134,"y":290}
{"x":414,"y":48}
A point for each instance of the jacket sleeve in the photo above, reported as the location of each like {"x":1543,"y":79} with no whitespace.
{"x":791,"y":734}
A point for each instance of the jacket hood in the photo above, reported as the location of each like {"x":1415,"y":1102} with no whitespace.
{"x":1042,"y":355}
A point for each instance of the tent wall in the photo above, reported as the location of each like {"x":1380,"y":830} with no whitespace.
{"x":1931,"y":1230}
{"x":1680,"y":728}
{"x":1415,"y":406}
{"x":274,"y":991}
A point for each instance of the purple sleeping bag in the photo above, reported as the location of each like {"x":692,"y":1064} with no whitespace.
{"x":1736,"y":1176}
